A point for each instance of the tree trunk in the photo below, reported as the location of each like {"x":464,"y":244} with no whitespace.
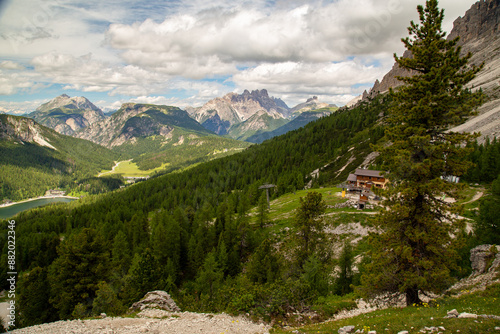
{"x":412,"y":297}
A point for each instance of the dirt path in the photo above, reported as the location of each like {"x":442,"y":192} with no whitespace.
{"x":477,"y":196}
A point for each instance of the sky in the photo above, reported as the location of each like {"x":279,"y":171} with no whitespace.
{"x":185,"y":53}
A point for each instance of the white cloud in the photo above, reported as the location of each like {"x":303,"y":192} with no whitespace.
{"x":21,"y":108}
{"x":293,"y":48}
{"x":11,"y":65}
{"x":307,"y":79}
{"x":89,"y":75}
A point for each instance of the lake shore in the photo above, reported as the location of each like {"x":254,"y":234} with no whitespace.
{"x":36,"y":198}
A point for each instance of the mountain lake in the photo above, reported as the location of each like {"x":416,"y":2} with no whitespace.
{"x":14,"y":209}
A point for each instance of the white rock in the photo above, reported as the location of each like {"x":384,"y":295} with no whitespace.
{"x":467,"y":315}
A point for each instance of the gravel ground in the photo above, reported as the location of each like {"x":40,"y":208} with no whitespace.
{"x":154,"y":322}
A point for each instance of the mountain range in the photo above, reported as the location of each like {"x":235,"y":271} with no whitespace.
{"x":241,"y":116}
{"x":204,"y":234}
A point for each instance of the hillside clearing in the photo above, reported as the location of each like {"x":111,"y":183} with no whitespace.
{"x":127,"y":168}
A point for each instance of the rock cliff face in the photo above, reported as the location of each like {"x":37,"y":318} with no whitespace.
{"x":220,"y":114}
{"x":478,"y":30}
{"x":479,"y":33}
{"x":22,"y":130}
{"x":67,"y":114}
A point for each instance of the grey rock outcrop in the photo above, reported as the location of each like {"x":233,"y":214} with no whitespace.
{"x":156,"y":299}
{"x":484,"y":258}
{"x":346,"y":330}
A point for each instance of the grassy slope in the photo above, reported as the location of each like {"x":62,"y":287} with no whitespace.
{"x":413,"y":319}
{"x":392,"y":320}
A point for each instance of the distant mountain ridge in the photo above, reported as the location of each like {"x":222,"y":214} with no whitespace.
{"x":250,"y":114}
{"x":311,"y":104}
{"x":135,"y":120}
{"x":221,"y":113}
{"x":67,"y":114}
{"x":301,"y":120}
{"x":156,"y":135}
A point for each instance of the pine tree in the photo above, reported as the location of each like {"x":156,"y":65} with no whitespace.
{"x":488,"y":225}
{"x":416,"y":250}
{"x":344,"y":281}
{"x":34,"y":296}
{"x":121,"y":253}
{"x":83,"y":262}
{"x":107,"y":301}
{"x":309,"y":224}
{"x":263,"y":210}
{"x":210,"y":276}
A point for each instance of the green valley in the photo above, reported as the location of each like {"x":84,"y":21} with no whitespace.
{"x":35,"y":159}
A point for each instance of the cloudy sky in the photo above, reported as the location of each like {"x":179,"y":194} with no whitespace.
{"x":185,"y":53}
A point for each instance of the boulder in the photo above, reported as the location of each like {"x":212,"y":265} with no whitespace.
{"x":452,"y":314}
{"x":157,"y":300}
{"x":346,"y":330}
{"x":466,"y":315}
{"x":484,"y":257}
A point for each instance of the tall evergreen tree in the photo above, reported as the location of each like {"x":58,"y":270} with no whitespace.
{"x":263,"y":210}
{"x":309,"y":224}
{"x":416,"y":250}
{"x":83,"y":262}
{"x":34,"y":298}
{"x":344,"y":281}
{"x":488,"y":226}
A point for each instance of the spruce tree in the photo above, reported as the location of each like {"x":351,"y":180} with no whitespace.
{"x":83,"y":262}
{"x":416,"y":250}
{"x":263,"y":210}
{"x":33,"y":299}
{"x":344,"y":281}
{"x":309,"y":224}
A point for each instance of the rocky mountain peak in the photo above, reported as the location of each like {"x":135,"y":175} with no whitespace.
{"x":221,"y":113}
{"x":480,"y":21}
{"x":67,"y":114}
{"x":65,"y":101}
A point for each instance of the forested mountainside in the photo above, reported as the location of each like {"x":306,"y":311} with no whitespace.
{"x":34,"y":158}
{"x":178,"y":210}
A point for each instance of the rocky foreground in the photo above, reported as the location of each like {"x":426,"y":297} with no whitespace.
{"x":153,"y":321}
